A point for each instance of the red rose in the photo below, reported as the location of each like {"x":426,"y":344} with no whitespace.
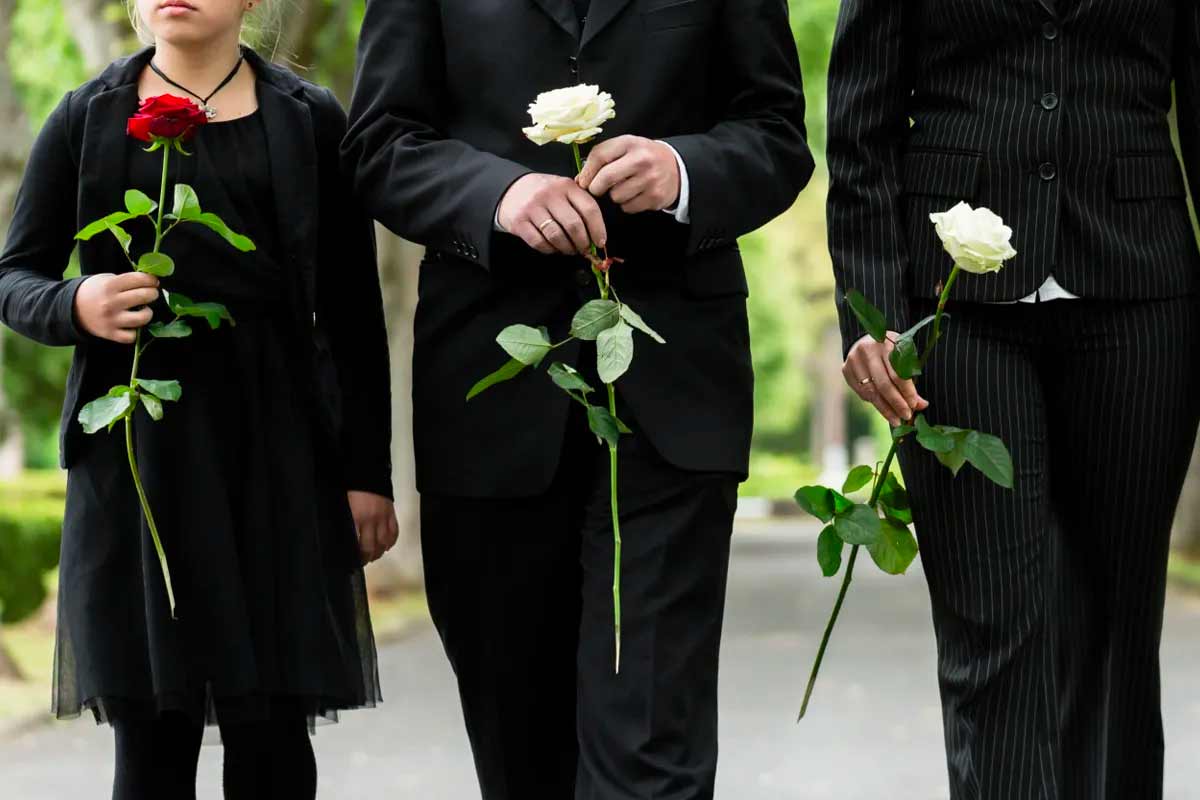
{"x":166,"y":117}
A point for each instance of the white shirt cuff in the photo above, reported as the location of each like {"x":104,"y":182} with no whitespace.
{"x":682,"y":212}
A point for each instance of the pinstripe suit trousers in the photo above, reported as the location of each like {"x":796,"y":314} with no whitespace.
{"x":1048,"y":599}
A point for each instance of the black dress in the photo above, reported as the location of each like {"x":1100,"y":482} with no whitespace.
{"x":271,"y":600}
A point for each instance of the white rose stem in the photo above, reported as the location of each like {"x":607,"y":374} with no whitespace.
{"x":880,"y":477}
{"x":603,"y":282}
{"x":137,"y":357}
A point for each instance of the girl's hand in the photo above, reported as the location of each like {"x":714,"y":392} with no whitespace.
{"x":113,"y":307}
{"x":869,"y":373}
{"x":375,"y":520}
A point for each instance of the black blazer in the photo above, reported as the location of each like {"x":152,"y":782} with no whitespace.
{"x":76,"y":173}
{"x":435,"y":140}
{"x":1053,"y":113}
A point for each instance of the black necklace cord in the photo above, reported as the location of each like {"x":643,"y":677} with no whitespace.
{"x":209,"y":110}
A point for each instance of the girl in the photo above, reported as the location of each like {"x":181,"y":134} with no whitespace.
{"x":277,"y":453}
{"x":1081,"y":355}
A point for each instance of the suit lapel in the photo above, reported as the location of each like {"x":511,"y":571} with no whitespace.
{"x":562,"y":12}
{"x":601,"y":14}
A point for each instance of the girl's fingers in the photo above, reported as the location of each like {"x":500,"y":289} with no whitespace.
{"x":133,"y":319}
{"x":137,"y":297}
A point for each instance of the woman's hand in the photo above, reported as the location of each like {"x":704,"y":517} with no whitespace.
{"x":375,"y":521}
{"x":113,"y":307}
{"x":869,"y":373}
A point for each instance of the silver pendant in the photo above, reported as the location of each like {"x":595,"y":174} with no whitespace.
{"x":209,"y":112}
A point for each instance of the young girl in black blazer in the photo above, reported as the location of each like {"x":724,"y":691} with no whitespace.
{"x":276,"y":456}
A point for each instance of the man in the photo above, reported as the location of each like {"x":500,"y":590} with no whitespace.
{"x":708,"y":144}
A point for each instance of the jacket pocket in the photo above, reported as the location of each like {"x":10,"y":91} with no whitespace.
{"x":1146,"y":176}
{"x":679,"y":14}
{"x":942,"y":173}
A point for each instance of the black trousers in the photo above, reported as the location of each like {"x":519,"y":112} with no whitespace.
{"x":1048,"y":599}
{"x":521,"y":593}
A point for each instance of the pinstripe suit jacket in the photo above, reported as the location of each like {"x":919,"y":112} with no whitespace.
{"x":1053,"y":113}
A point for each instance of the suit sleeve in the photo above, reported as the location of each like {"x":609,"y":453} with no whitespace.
{"x":752,"y":164}
{"x":421,"y":184}
{"x":1187,"y":91}
{"x":868,"y":122}
{"x":35,"y":301}
{"x":349,"y":307}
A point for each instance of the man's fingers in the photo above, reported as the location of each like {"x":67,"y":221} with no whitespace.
{"x":127,"y":281}
{"x":124,"y":336}
{"x":888,"y":392}
{"x":601,"y":156}
{"x":137,"y":297}
{"x":640,"y":204}
{"x":908,"y":389}
{"x":612,"y":175}
{"x":571,"y":223}
{"x":585,"y":205}
{"x":533,"y":237}
{"x":133,"y":319}
{"x":366,"y":542}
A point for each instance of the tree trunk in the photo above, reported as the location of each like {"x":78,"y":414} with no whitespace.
{"x":100,"y":30}
{"x":398,"y":260}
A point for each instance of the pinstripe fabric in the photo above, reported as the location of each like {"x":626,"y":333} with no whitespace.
{"x":1053,"y":113}
{"x":1047,"y":600}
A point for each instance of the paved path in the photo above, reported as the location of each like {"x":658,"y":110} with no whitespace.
{"x":873,"y":733}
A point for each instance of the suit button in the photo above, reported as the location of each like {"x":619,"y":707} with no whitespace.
{"x":1050,"y":101}
{"x":1050,"y":31}
{"x":583,"y":278}
{"x":574,"y":62}
{"x":1048,"y":171}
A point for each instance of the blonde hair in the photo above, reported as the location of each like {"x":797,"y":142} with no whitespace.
{"x":262,"y":26}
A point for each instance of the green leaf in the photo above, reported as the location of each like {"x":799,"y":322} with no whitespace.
{"x":568,"y":378}
{"x":634,"y":320}
{"x":595,"y":316}
{"x":187,"y":204}
{"x":829,"y":551}
{"x":184,"y":306}
{"x":604,"y":424}
{"x":216,"y":224}
{"x":872,"y":318}
{"x":956,"y":457}
{"x":933,"y":438}
{"x":905,"y":358}
{"x":101,"y":225}
{"x":511,"y":369}
{"x":122,"y":237}
{"x":988,"y":454}
{"x":900,"y":431}
{"x":163,"y":390}
{"x":104,"y":412}
{"x":614,"y":352}
{"x":860,"y":524}
{"x":895,"y":549}
{"x":622,"y":427}
{"x":159,"y":264}
{"x":525,"y":344}
{"x":894,"y":499}
{"x":153,"y":406}
{"x":857,"y":479}
{"x":817,"y":501}
{"x":170,"y":330}
{"x":139,"y":203}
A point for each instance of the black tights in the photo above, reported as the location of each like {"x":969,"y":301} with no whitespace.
{"x":270,"y":760}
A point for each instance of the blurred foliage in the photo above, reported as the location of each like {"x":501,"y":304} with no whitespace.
{"x":31,"y":511}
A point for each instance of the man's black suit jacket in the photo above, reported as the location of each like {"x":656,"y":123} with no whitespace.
{"x":1053,"y":113}
{"x":435,"y":140}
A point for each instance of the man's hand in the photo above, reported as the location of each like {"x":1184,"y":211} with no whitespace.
{"x":552,"y":215}
{"x":105,"y":305}
{"x":869,"y":373}
{"x":638,"y":174}
{"x":375,"y":521}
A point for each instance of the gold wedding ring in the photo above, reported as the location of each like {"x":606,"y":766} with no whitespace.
{"x":542,"y":227}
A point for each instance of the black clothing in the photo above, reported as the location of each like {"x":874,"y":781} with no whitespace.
{"x":435,"y":142}
{"x":1048,"y":599}
{"x":329,"y":291}
{"x":157,"y":759}
{"x":1053,"y":117}
{"x":521,"y":592}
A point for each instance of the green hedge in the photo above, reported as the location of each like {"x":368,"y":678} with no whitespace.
{"x":31,"y":514}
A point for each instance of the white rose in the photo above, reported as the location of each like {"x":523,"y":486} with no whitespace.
{"x":975,"y":238}
{"x":570,"y":116}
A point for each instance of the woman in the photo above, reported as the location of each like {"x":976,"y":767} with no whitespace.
{"x":278,"y":448}
{"x":1048,"y":599}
